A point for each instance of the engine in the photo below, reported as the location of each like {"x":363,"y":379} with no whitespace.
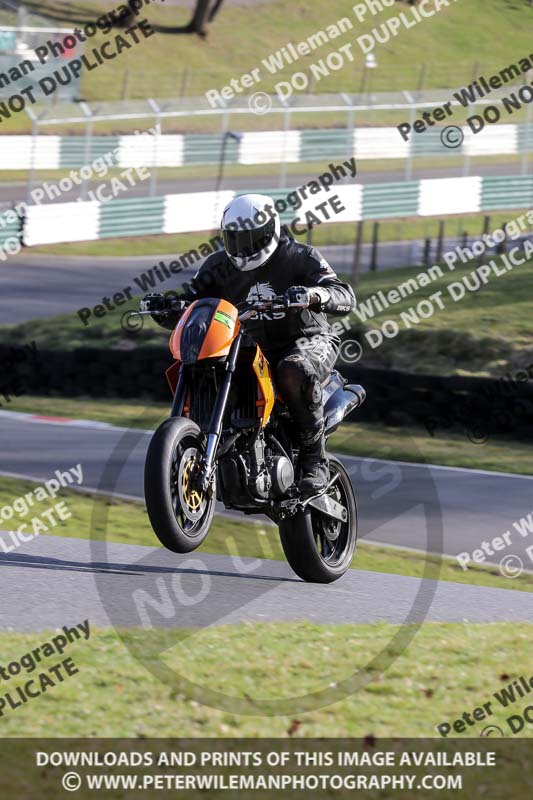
{"x":271,"y":473}
{"x":259,"y":469}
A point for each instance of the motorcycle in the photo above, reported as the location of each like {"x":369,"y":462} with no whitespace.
{"x":230,"y":438}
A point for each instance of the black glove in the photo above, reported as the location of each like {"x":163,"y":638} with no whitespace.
{"x":155,"y":303}
{"x":305,"y":296}
{"x":296,"y":297}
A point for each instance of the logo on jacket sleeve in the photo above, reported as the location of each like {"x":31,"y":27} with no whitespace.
{"x":263,"y":291}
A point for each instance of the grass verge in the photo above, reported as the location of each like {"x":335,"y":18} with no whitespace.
{"x":489,"y":332}
{"x":127,"y":523}
{"x":445,"y":671}
{"x":155,"y":67}
{"x":409,"y":443}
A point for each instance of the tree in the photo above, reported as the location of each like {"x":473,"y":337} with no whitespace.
{"x":204,"y":13}
{"x":74,"y":14}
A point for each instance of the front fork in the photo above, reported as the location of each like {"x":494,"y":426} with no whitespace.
{"x":207,"y":466}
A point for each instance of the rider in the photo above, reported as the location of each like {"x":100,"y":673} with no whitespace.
{"x":261,"y":260}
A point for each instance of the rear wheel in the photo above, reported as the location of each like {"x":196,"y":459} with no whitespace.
{"x":180,"y":514}
{"x":318,"y":548}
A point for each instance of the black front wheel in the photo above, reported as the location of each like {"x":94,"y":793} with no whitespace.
{"x":318,"y":548}
{"x":180,"y":514}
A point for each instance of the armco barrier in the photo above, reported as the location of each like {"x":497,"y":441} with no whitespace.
{"x":499,"y":193}
{"x":10,"y":231}
{"x":393,"y":397}
{"x":202,"y":211}
{"x":135,"y":217}
{"x":254,"y":147}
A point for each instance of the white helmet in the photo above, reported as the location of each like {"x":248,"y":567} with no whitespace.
{"x":251,"y":230}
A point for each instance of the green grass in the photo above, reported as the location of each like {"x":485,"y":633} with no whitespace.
{"x":446,"y":669}
{"x":126,"y":522}
{"x":156,"y":66}
{"x":487,"y":333}
{"x":450,"y":449}
{"x":433,"y":677}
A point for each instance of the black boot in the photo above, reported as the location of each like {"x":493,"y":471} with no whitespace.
{"x":314,"y":470}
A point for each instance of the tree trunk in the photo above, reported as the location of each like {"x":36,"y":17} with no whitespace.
{"x":198,"y":23}
{"x":215,"y":9}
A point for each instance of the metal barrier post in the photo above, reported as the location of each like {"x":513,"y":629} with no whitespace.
{"x":525,"y":156}
{"x":34,"y":139}
{"x":88,"y":144}
{"x":125,"y":84}
{"x":184,"y":82}
{"x":422,"y":79}
{"x":153,"y":175}
{"x":222,"y":154}
{"x":375,"y":239}
{"x":502,"y":246}
{"x":409,"y":159}
{"x":427,"y":252}
{"x":357,"y":252}
{"x":466,"y":156}
{"x":283,"y":165}
{"x":440,"y":242}
{"x":486,"y":228}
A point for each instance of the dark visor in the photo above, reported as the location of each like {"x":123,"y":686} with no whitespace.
{"x":247,"y":243}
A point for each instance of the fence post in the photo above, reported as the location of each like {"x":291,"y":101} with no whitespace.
{"x":88,"y":144}
{"x":440,"y":242}
{"x":409,"y":159}
{"x":502,"y":246}
{"x":527,"y":130}
{"x":375,"y":239}
{"x":427,"y":252}
{"x":34,"y":141}
{"x":153,"y":177}
{"x":422,"y":78}
{"x":357,"y":252}
{"x":125,"y":84}
{"x":283,"y":165}
{"x":486,"y":228}
{"x":184,"y":82}
{"x":364,"y":76}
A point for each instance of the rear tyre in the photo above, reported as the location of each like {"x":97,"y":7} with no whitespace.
{"x":318,"y":548}
{"x":180,"y":515}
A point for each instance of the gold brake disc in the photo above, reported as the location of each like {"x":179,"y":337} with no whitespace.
{"x":191,"y":500}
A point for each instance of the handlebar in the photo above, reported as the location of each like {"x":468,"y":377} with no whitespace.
{"x":276,"y":303}
{"x":246,"y":309}
{"x":171,"y":304}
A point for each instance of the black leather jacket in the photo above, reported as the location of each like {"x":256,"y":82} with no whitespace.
{"x":292,"y":264}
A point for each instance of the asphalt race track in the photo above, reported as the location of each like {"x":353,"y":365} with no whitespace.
{"x":429,"y":508}
{"x":17,"y":192}
{"x":35,"y":286}
{"x":41,"y":286}
{"x":70,"y":580}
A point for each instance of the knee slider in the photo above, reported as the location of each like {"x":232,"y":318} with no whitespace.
{"x":312,"y":392}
